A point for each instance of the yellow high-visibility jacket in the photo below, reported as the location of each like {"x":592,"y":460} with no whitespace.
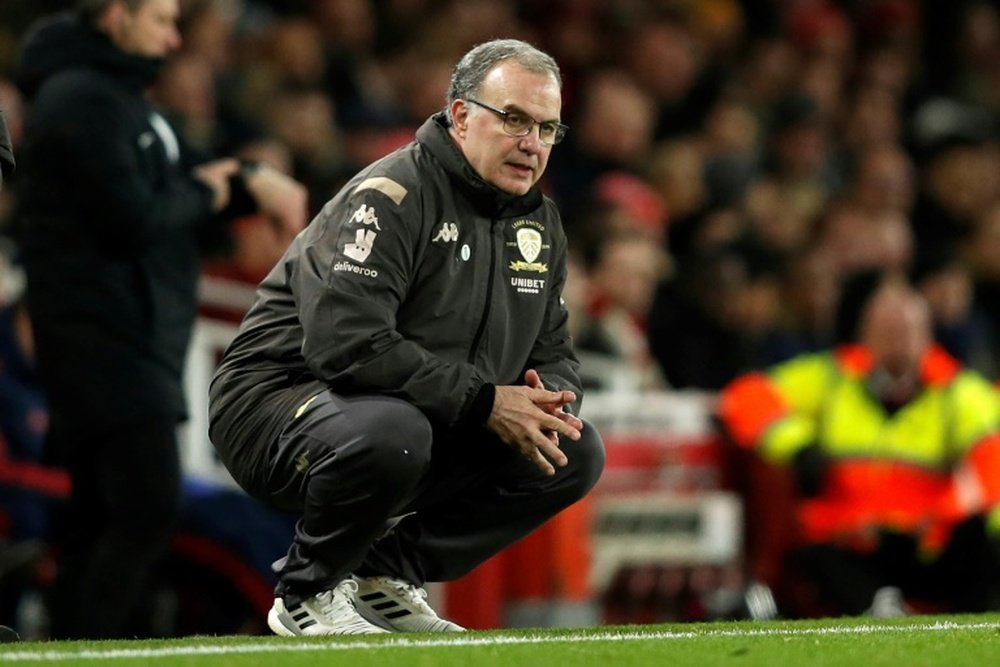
{"x":921,"y":469}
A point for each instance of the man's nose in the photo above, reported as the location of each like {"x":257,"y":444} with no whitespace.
{"x":532,"y":141}
{"x":174,"y":39}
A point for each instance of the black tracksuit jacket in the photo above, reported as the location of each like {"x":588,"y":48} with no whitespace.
{"x":418,"y":280}
{"x":108,"y":227}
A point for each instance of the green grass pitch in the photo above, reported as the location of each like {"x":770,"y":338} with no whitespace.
{"x":952,"y":641}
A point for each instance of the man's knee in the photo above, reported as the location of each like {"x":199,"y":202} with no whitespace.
{"x":586,"y":457}
{"x":387,"y":441}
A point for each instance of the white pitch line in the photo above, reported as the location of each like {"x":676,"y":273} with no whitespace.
{"x":473,"y":640}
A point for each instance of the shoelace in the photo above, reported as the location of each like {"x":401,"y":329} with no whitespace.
{"x":413,"y":594}
{"x":335,"y":601}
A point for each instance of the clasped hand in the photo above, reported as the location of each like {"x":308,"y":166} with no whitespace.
{"x":530,"y":418}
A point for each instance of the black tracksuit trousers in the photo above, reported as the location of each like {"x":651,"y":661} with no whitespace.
{"x":381,"y":492}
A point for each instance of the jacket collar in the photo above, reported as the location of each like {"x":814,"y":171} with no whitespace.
{"x":434,"y":135}
{"x":937,"y":368}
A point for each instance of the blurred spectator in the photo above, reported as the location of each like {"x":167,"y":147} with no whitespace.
{"x":871,"y":121}
{"x":611,"y":130}
{"x":859,"y":242}
{"x":895,"y":450}
{"x":575,"y":293}
{"x":730,"y":138}
{"x":810,"y":291}
{"x":303,"y":120}
{"x":676,"y":170}
{"x":945,"y":282}
{"x":668,"y":63}
{"x":884,"y":182}
{"x":623,"y":202}
{"x":293,"y":50}
{"x":209,"y":28}
{"x":696,"y":321}
{"x":978,"y":52}
{"x":770,"y":70}
{"x":719,"y":26}
{"x":959,"y":173}
{"x":821,"y":32}
{"x":622,"y":279}
{"x":186,"y":90}
{"x":982,"y":253}
{"x":786,"y":203}
{"x":868,"y":227}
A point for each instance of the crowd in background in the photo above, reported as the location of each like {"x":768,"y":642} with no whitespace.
{"x":731,"y":167}
{"x":734,"y":176}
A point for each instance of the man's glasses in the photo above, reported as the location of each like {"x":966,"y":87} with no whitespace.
{"x":520,"y":124}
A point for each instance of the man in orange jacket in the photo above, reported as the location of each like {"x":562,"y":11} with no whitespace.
{"x":895,"y":449}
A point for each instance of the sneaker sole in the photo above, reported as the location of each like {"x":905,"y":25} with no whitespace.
{"x":277,"y":626}
{"x":373,"y":617}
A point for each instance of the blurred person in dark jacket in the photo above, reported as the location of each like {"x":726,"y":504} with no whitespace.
{"x":113,"y":205}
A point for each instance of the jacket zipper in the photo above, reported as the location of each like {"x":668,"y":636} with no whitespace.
{"x":489,"y":297}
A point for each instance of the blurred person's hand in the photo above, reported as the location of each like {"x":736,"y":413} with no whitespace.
{"x":283,"y":199}
{"x":216,"y":175}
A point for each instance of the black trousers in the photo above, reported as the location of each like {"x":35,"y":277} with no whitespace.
{"x":380,"y":491}
{"x":965,"y":577}
{"x":116,"y":526}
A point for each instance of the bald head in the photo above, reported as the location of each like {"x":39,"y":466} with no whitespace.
{"x":896,"y":327}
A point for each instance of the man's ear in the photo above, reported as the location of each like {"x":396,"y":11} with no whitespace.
{"x":114,"y":20}
{"x":460,"y":116}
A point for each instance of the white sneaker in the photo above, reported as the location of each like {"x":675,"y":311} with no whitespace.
{"x":331,"y":612}
{"x":394,"y":604}
{"x":888,"y":602}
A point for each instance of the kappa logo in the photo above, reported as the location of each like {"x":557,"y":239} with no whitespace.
{"x":362,"y":246}
{"x":366,"y":216}
{"x":448,"y":233}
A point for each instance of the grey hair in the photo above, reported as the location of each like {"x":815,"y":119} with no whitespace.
{"x":475,"y":65}
{"x":91,"y":10}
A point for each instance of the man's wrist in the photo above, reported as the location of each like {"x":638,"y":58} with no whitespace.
{"x":482,"y":405}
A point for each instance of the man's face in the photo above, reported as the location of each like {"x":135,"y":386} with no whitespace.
{"x":897,"y":329}
{"x":513,"y":164}
{"x":150,"y":30}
